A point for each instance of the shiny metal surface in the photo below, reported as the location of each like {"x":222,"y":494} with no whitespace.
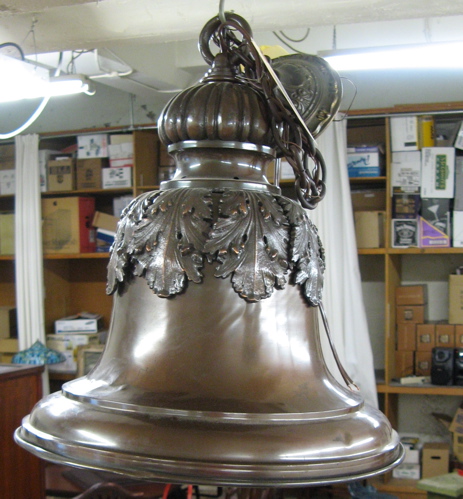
{"x":213,"y":371}
{"x":232,"y":165}
{"x":238,"y":396}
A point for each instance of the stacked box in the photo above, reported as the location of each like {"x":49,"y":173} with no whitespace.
{"x":67,"y":225}
{"x":61,"y":174}
{"x":6,"y":233}
{"x":363,"y":161}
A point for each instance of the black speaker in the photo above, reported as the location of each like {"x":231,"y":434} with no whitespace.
{"x":458,"y":367}
{"x":442,"y":366}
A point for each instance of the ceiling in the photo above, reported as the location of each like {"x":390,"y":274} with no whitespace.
{"x":70,"y":24}
{"x":151,"y":44}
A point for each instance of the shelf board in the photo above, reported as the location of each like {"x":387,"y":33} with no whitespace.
{"x":72,"y":256}
{"x":7,"y":257}
{"x":427,"y":389}
{"x":423,"y":251}
{"x":371,"y":251}
{"x":108,"y":192}
{"x":367,"y":180}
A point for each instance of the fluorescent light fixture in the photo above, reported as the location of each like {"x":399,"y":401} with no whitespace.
{"x":22,"y":80}
{"x":424,"y":56}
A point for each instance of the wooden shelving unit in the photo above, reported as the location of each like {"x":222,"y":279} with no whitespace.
{"x":372,"y":127}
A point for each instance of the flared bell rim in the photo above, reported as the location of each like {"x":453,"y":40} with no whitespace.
{"x":218,"y":473}
{"x":360,"y":445}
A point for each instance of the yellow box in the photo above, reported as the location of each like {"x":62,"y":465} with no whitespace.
{"x":456,"y":299}
{"x":7,"y":234}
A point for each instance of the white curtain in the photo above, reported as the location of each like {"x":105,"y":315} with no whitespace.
{"x":342,"y":294}
{"x":28,"y":245}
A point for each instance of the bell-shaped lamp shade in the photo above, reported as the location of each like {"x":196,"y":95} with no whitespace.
{"x":213,"y":372}
{"x":38,"y":354}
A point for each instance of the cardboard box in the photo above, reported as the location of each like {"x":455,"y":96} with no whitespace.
{"x":411,"y":295}
{"x":436,"y":211}
{"x":425,"y":337}
{"x":404,"y":363}
{"x":66,"y":226}
{"x":406,"y":337}
{"x":6,"y":233}
{"x":435,"y":459}
{"x":114,"y":178}
{"x":404,"y":133}
{"x":45,"y":155}
{"x":105,"y":238}
{"x":120,"y":150}
{"x":413,"y":314}
{"x":431,"y":236}
{"x":61,"y":175}
{"x":445,"y":335}
{"x":426,"y":134}
{"x":405,"y":233}
{"x":458,"y":336}
{"x":8,"y":322}
{"x":105,"y":221}
{"x":406,"y":171}
{"x":7,"y":182}
{"x":423,"y":363}
{"x":9,"y":345}
{"x":457,"y":229}
{"x":92,"y":146}
{"x":458,"y":198}
{"x":83,"y":322}
{"x":363,"y":162}
{"x":407,"y":470}
{"x":68,"y":366}
{"x":120,"y":203}
{"x":7,"y":157}
{"x":458,"y":142}
{"x":369,"y":200}
{"x":71,"y":341}
{"x":437,"y":172}
{"x":456,"y":299}
{"x":457,"y":446}
{"x":88,"y":173}
{"x":369,"y":228}
{"x":406,"y":206}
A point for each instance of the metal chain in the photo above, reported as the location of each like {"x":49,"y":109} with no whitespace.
{"x":293,"y":139}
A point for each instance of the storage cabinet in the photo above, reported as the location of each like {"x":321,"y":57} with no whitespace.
{"x":21,"y":473}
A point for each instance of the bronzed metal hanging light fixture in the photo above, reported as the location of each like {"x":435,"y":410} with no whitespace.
{"x":213,"y":372}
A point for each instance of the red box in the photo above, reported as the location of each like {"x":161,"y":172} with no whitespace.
{"x":67,"y":225}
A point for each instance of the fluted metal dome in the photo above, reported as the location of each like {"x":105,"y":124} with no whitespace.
{"x":218,"y":108}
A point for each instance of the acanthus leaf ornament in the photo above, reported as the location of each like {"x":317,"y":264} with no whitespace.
{"x":306,"y":251}
{"x":251,"y":241}
{"x":161,"y":238}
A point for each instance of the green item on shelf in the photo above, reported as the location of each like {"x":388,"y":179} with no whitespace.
{"x":449,"y":485}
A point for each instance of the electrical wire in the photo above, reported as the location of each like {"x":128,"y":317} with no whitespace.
{"x":36,"y":113}
{"x":283,"y":37}
{"x":14,"y":45}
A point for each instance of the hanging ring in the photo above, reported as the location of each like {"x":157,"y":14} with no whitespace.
{"x":211,"y":27}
